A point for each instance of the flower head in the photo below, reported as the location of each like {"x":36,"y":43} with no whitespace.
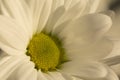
{"x":53,"y":40}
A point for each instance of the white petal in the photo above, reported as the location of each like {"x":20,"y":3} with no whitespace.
{"x":69,"y":77}
{"x":95,"y":51}
{"x":25,"y":71}
{"x":116,"y":69}
{"x":76,"y":78}
{"x":84,"y":69}
{"x":8,"y":65}
{"x":36,"y":7}
{"x":18,"y":9}
{"x":88,"y":28}
{"x":69,"y":15}
{"x":111,"y":75}
{"x":41,"y":76}
{"x":54,"y":17}
{"x":44,"y":15}
{"x":91,"y":6}
{"x":68,"y":3}
{"x":12,"y":36}
{"x":54,"y":76}
{"x":56,"y":4}
{"x":114,"y":32}
{"x":116,"y":49}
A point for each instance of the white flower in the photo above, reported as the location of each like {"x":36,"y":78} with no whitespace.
{"x":66,"y":29}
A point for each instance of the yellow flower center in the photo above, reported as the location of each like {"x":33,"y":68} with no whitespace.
{"x":44,"y":52}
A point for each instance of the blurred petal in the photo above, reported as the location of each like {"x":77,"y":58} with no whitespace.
{"x":70,"y":14}
{"x":40,"y":76}
{"x":56,"y":4}
{"x":95,"y":51}
{"x":86,"y":29}
{"x":90,"y":6}
{"x":111,"y":75}
{"x":54,"y":76}
{"x":116,"y":69}
{"x":116,"y":49}
{"x":114,"y":32}
{"x":84,"y":69}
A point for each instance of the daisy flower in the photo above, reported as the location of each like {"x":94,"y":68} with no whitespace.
{"x":53,"y":40}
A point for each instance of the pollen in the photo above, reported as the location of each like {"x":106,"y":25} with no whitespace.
{"x":44,"y":52}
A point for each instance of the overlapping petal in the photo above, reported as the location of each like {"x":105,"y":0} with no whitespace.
{"x":12,"y":34}
{"x":18,"y":10}
{"x":26,"y":72}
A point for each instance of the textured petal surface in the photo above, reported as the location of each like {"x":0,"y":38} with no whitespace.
{"x":111,"y":75}
{"x":54,"y":17}
{"x":40,"y":12}
{"x":116,"y":69}
{"x":41,"y":76}
{"x":8,"y":65}
{"x":11,"y":34}
{"x":54,"y":76}
{"x":56,"y":4}
{"x":116,"y":49}
{"x":85,"y":69}
{"x":90,"y":6}
{"x":114,"y":32}
{"x":70,"y":14}
{"x":88,"y":28}
{"x":95,"y":51}
{"x":18,"y":10}
{"x":25,"y":71}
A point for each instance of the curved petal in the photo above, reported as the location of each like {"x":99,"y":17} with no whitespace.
{"x":69,"y":15}
{"x":95,"y":51}
{"x":54,"y":17}
{"x":76,"y":78}
{"x":19,"y":10}
{"x":84,"y":69}
{"x":44,"y":15}
{"x":116,"y":69}
{"x":56,"y":4}
{"x":90,"y":6}
{"x":67,"y":76}
{"x":114,"y":32}
{"x":36,"y":7}
{"x":8,"y":66}
{"x":25,"y":71}
{"x":111,"y":75}
{"x":41,"y":10}
{"x":77,"y":9}
{"x":116,"y":49}
{"x":86,"y":29}
{"x":54,"y":76}
{"x":11,"y":34}
{"x":104,"y":5}
{"x":41,"y":76}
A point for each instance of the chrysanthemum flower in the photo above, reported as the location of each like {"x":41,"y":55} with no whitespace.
{"x":53,"y":40}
